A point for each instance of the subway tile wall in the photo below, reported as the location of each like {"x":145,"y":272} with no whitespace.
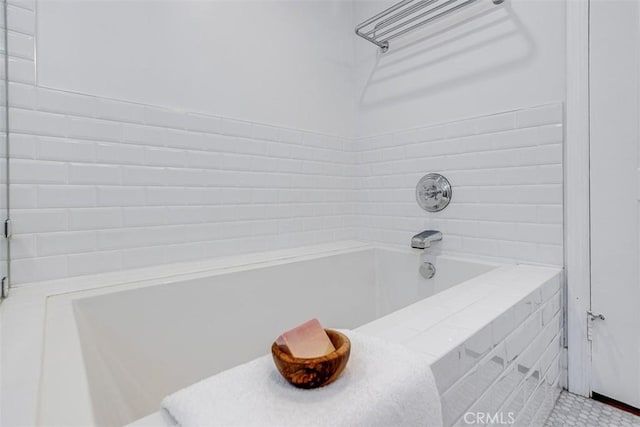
{"x":100,"y":185}
{"x":91,"y":193}
{"x":506,"y":174}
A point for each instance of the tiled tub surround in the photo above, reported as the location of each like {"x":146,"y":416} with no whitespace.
{"x":99,"y":194}
{"x":101,"y":185}
{"x":493,"y":340}
{"x":506,"y":174}
{"x":103,"y":194}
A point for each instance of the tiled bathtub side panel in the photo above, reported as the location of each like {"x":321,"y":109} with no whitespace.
{"x":102,"y":185}
{"x":506,"y":174}
{"x":513,"y":379}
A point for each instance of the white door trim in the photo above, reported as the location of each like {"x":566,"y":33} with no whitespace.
{"x":576,"y":198}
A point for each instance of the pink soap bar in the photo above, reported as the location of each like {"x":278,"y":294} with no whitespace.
{"x":306,"y":341}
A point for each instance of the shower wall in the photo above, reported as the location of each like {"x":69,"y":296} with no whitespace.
{"x":477,"y":97}
{"x":176,"y":131}
{"x":506,"y":174}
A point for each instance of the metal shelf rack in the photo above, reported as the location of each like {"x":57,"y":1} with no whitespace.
{"x":406,"y":16}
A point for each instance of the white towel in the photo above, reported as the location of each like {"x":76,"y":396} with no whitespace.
{"x":384,"y":384}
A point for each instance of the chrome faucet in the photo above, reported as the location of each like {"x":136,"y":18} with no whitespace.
{"x":423,"y":240}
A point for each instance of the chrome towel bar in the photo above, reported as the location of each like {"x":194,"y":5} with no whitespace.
{"x":406,"y":16}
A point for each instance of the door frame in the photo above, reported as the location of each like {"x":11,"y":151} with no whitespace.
{"x":577,"y":236}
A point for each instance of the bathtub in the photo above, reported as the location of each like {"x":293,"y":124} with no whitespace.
{"x":111,"y":350}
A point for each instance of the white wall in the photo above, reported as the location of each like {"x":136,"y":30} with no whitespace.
{"x":456,"y":97}
{"x":155,"y":132}
{"x":285,"y":63}
{"x":100,"y":183}
{"x":481,"y":60}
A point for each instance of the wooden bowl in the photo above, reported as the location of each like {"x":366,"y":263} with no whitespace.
{"x":317,"y":371}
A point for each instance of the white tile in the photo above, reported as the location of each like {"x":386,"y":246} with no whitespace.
{"x":121,"y":196}
{"x":24,"y":4}
{"x":21,"y":20}
{"x":448,"y":369}
{"x":505,"y":386}
{"x":164,"y":117}
{"x":134,"y":175}
{"x":60,"y":196}
{"x":80,"y":173}
{"x":495,"y":123}
{"x":202,"y":123}
{"x":36,"y":269}
{"x":22,"y":95}
{"x":39,"y":220}
{"x":438,"y":340}
{"x":184,"y":139}
{"x":398,"y":333}
{"x":94,"y":262}
{"x":143,"y":257}
{"x":185,"y":252}
{"x":49,"y":148}
{"x":550,"y":287}
{"x":292,"y":136}
{"x":23,"y":246}
{"x":551,"y":307}
{"x":522,"y":336}
{"x":159,"y":196}
{"x":23,"y":196}
{"x":191,"y":215}
{"x":38,"y":123}
{"x":65,"y":102}
{"x":549,"y":254}
{"x":100,"y":130}
{"x":503,"y":325}
{"x":23,"y":146}
{"x":167,"y":156}
{"x":119,"y":153}
{"x":540,"y":115}
{"x":479,"y":344}
{"x":460,"y":397}
{"x":235,"y":127}
{"x":144,"y":216}
{"x":66,"y":243}
{"x":263,"y":132}
{"x":95,"y":218}
{"x":461,"y":128}
{"x":552,"y":134}
{"x":22,"y":70}
{"x":147,"y":135}
{"x":119,"y":111}
{"x":38,"y":172}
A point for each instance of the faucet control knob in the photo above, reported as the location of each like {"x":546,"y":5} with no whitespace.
{"x":433,"y":192}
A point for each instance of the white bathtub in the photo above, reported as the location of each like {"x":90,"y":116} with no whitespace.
{"x":111,"y":353}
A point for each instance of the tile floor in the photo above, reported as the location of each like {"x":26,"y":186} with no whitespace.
{"x":572,"y":410}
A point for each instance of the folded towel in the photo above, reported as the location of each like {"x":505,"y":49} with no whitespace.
{"x":384,"y":384}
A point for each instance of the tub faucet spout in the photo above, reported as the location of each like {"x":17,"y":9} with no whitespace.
{"x":423,"y":240}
